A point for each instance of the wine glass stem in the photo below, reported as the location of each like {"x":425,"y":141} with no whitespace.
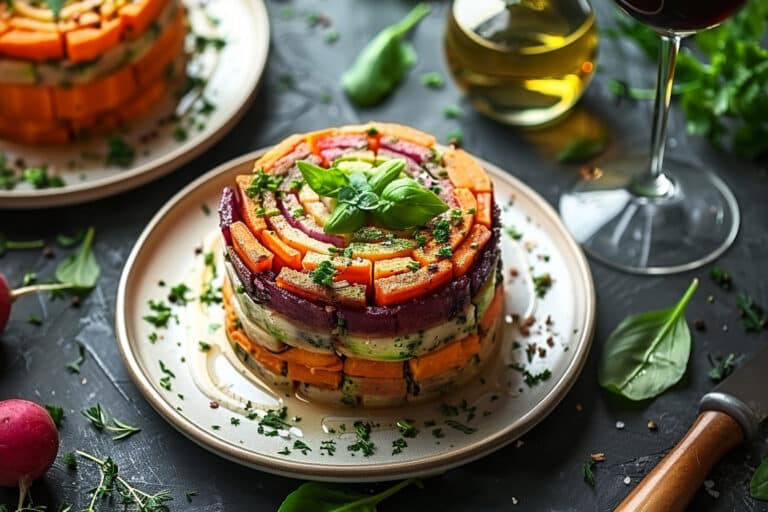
{"x":655,"y":183}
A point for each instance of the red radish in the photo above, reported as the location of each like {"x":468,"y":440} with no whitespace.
{"x":29,"y":442}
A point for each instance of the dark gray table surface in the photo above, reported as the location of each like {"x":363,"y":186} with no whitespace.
{"x":545,"y":473}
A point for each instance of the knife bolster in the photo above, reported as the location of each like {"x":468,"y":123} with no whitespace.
{"x":733,"y":407}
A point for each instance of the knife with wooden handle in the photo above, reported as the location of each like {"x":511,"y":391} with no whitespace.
{"x":730,"y":414}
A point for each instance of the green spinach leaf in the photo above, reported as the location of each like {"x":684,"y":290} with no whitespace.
{"x":758,"y":487}
{"x":647,"y":353}
{"x":80,"y":270}
{"x":320,"y":497}
{"x":383,"y":63}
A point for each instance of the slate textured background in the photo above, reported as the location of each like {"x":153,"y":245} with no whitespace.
{"x":543,"y":474}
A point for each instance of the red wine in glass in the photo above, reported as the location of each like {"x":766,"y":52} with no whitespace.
{"x":680,"y":16}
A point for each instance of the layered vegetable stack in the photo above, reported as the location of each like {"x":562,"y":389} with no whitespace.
{"x":363,"y":266}
{"x":85,"y":66}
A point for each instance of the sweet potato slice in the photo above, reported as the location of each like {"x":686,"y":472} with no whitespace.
{"x":318,"y":377}
{"x":485,"y":208}
{"x":370,"y":368}
{"x":301,"y":284}
{"x":394,"y":266}
{"x":329,"y":362}
{"x":154,"y":63}
{"x":33,"y":132}
{"x":401,"y":287}
{"x":470,"y":346}
{"x":252,"y":210}
{"x":285,"y":255}
{"x":139,"y":14}
{"x":465,"y":172}
{"x":354,"y":270}
{"x":143,"y":102}
{"x":30,"y":102}
{"x":268,"y":360}
{"x":89,"y":99}
{"x":295,"y":237}
{"x":88,"y":43}
{"x":438,"y":361}
{"x":464,"y":256}
{"x":256,"y":257}
{"x":34,"y":46}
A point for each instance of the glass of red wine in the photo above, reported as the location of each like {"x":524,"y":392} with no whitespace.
{"x":646,"y":214}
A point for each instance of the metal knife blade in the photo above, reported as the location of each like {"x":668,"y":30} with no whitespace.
{"x":743,"y":395}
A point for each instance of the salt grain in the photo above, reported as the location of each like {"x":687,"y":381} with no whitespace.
{"x":627,"y":480}
{"x":620,"y":425}
{"x":508,"y":319}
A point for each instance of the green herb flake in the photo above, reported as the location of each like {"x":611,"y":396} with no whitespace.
{"x":161,"y":313}
{"x":753,"y":316}
{"x":445,"y":251}
{"x":262,"y":182}
{"x":588,"y":472}
{"x":301,"y":446}
{"x":513,"y":233}
{"x":35,"y":320}
{"x":721,"y":367}
{"x":323,"y":274}
{"x":407,"y":428}
{"x":74,"y":366}
{"x":542,"y":283}
{"x":363,"y":441}
{"x":70,"y":460}
{"x":178,"y":294}
{"x":460,"y":427}
{"x":119,"y":152}
{"x":583,"y":150}
{"x":452,"y":112}
{"x":57,"y":414}
{"x":432,"y":80}
{"x":329,"y":447}
{"x":29,"y":278}
{"x":721,"y":277}
{"x":204,"y":346}
{"x":398,"y":445}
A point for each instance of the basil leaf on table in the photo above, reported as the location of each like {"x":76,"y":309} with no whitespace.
{"x":583,"y":150}
{"x":758,"y":487}
{"x":326,"y":182}
{"x":406,"y":204}
{"x":319,"y":497}
{"x":383,"y":63}
{"x":80,"y":269}
{"x":647,"y":353}
{"x":383,"y":174}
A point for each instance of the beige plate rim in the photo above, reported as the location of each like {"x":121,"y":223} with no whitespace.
{"x":363,"y":472}
{"x":165,"y":164}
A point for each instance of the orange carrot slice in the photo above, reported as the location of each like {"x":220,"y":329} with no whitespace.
{"x":267,"y":359}
{"x":318,"y":377}
{"x":470,"y":346}
{"x":354,"y":270}
{"x":394,"y":266}
{"x":330,"y":362}
{"x":255,"y":256}
{"x":301,"y":284}
{"x":401,"y":287}
{"x":89,"y":99}
{"x":33,"y":132}
{"x":88,"y":43}
{"x":494,"y":310}
{"x":139,"y":14}
{"x":438,"y":361}
{"x":285,"y":255}
{"x":370,"y":368}
{"x":465,"y":172}
{"x":252,"y":210}
{"x":142,"y":102}
{"x":484,"y":208}
{"x":164,"y":51}
{"x":464,"y":256}
{"x":28,"y":102}
{"x":34,"y":46}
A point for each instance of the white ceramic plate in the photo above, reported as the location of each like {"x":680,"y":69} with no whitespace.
{"x":245,"y":27}
{"x":505,"y":407}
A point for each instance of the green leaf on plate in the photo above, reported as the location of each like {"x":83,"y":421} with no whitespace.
{"x":583,"y":150}
{"x":326,"y":182}
{"x":758,"y":487}
{"x":383,"y":174}
{"x":383,"y":62}
{"x":321,"y":497}
{"x":80,"y":269}
{"x":647,"y":353}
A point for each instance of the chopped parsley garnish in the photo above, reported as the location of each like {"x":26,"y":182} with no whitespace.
{"x":165,"y":381}
{"x":297,"y":184}
{"x":284,"y":451}
{"x":298,"y":212}
{"x":162,"y":313}
{"x":587,"y":470}
{"x":211,"y":295}
{"x":204,"y":42}
{"x":178,"y":294}
{"x":398,"y":445}
{"x":420,"y":239}
{"x":234,"y":421}
{"x":180,"y":134}
{"x":438,"y":433}
{"x":39,"y":178}
{"x":721,"y":277}
{"x":513,"y":233}
{"x":328,"y":447}
{"x":460,"y":427}
{"x":721,"y":367}
{"x":753,"y":317}
{"x":441,"y":231}
{"x":542,"y":283}
{"x":29,"y":278}
{"x":457,"y":217}
{"x":323,"y":274}
{"x":363,"y":443}
{"x":433,"y":80}
{"x":452,"y":112}
{"x":413,"y":266}
{"x":301,"y":446}
{"x":275,"y":419}
{"x":445,"y":251}
{"x":206,"y":209}
{"x":455,"y":138}
{"x":449,"y":410}
{"x":262,"y":182}
{"x":407,"y":428}
{"x":57,"y":414}
{"x":119,"y":152}
{"x":74,"y":366}
{"x":533,"y":379}
{"x":204,"y":346}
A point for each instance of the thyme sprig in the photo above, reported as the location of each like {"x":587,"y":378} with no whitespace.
{"x":100,"y":421}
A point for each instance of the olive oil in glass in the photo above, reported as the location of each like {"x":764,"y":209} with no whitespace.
{"x":522,"y":62}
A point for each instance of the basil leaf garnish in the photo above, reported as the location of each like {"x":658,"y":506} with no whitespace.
{"x":384,"y":173}
{"x":326,"y":182}
{"x":345,"y":218}
{"x":406,"y":203}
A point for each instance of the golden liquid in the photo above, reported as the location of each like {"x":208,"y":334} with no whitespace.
{"x":523,"y":62}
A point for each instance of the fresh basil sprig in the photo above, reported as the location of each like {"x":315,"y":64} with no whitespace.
{"x":647,"y":353}
{"x":322,"y":497}
{"x":393,"y":202}
{"x":383,"y":62}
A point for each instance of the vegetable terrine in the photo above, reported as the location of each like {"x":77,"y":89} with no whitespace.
{"x":363,"y":265}
{"x":87,"y":66}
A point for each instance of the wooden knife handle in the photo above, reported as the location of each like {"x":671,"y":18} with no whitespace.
{"x":670,"y":486}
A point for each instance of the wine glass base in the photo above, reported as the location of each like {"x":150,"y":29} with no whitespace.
{"x":689,"y":226}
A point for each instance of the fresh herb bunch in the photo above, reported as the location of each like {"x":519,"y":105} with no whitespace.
{"x":381,"y":194}
{"x":723,"y":93}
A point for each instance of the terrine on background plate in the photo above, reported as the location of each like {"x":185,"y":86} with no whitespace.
{"x":363,"y":266}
